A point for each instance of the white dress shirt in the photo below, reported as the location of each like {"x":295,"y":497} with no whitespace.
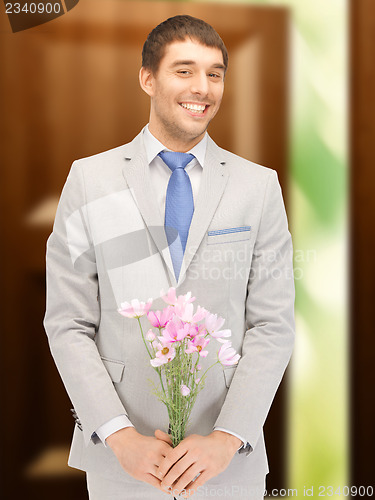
{"x":160,"y":174}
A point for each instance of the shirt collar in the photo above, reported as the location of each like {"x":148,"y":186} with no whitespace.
{"x":153,"y":147}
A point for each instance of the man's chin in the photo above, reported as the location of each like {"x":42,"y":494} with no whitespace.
{"x":194,"y":133}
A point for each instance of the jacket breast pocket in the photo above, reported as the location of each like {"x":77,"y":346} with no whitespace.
{"x":114,"y":367}
{"x":229,"y":235}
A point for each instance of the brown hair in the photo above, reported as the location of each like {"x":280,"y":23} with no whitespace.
{"x":178,"y":28}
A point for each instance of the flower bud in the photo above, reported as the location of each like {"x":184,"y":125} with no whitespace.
{"x":150,"y":335}
{"x":185,"y":391}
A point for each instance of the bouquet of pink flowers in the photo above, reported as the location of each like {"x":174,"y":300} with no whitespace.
{"x":175,"y":352}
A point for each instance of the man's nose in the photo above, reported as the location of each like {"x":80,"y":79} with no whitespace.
{"x":199,"y":84}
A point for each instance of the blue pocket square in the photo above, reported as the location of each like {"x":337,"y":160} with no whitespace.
{"x":229,"y":230}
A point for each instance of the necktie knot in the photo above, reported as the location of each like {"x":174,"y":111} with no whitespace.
{"x":175,"y":159}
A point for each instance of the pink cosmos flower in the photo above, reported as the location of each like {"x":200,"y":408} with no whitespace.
{"x":185,"y":391}
{"x":185,"y":311}
{"x":171,"y":299}
{"x":135,"y":309}
{"x":176,"y":330}
{"x":222,"y":333}
{"x":159,"y":319}
{"x":201,"y":330}
{"x":227,"y":355}
{"x":197,"y":345}
{"x":164,"y":354}
{"x":185,"y":299}
{"x":213,"y":324}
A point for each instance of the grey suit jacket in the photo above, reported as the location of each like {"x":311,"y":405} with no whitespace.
{"x":108,"y":246}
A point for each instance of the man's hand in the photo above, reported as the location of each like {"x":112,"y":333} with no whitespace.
{"x":139,"y":455}
{"x":205,"y":456}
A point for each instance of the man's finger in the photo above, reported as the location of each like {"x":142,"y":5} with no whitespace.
{"x":186,"y":478}
{"x":177,"y":473}
{"x":163,"y":436}
{"x":194,"y":485}
{"x":173,"y":456}
{"x":150,"y":479}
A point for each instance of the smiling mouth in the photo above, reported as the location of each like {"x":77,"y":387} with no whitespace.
{"x":198,"y":109}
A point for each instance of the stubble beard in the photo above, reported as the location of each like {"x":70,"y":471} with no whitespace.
{"x":176,"y":132}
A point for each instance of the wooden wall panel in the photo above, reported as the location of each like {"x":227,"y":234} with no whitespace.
{"x":362,"y":133}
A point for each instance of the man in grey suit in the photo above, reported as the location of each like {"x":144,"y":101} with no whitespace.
{"x":109,"y":245}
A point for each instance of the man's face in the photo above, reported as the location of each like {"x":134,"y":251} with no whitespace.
{"x":185,"y":93}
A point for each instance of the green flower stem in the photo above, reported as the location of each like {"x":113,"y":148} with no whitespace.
{"x":209,"y":368}
{"x":143,"y":337}
{"x":178,"y":393}
{"x":157,"y":368}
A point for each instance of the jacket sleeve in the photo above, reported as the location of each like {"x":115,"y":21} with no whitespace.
{"x":269,"y":319}
{"x":73,"y":311}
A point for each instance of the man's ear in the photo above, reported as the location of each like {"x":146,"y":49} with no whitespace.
{"x":146,"y":81}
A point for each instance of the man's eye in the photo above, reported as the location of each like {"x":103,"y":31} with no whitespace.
{"x":214,"y":75}
{"x":184,"y":72}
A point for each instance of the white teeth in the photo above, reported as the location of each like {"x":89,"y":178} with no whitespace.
{"x":194,"y":107}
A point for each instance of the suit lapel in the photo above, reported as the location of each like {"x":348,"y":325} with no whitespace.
{"x":213,"y":182}
{"x":136,"y":173}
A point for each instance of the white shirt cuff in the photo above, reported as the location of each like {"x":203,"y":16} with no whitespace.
{"x":113,"y":426}
{"x":244,"y":442}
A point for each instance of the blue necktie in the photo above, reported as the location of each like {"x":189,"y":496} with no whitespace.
{"x":179,"y":206}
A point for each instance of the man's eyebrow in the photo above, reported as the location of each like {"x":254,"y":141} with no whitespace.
{"x":218,"y":66}
{"x":187,"y":62}
{"x":183,"y":62}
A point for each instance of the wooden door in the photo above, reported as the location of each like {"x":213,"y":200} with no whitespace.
{"x":69,"y":89}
